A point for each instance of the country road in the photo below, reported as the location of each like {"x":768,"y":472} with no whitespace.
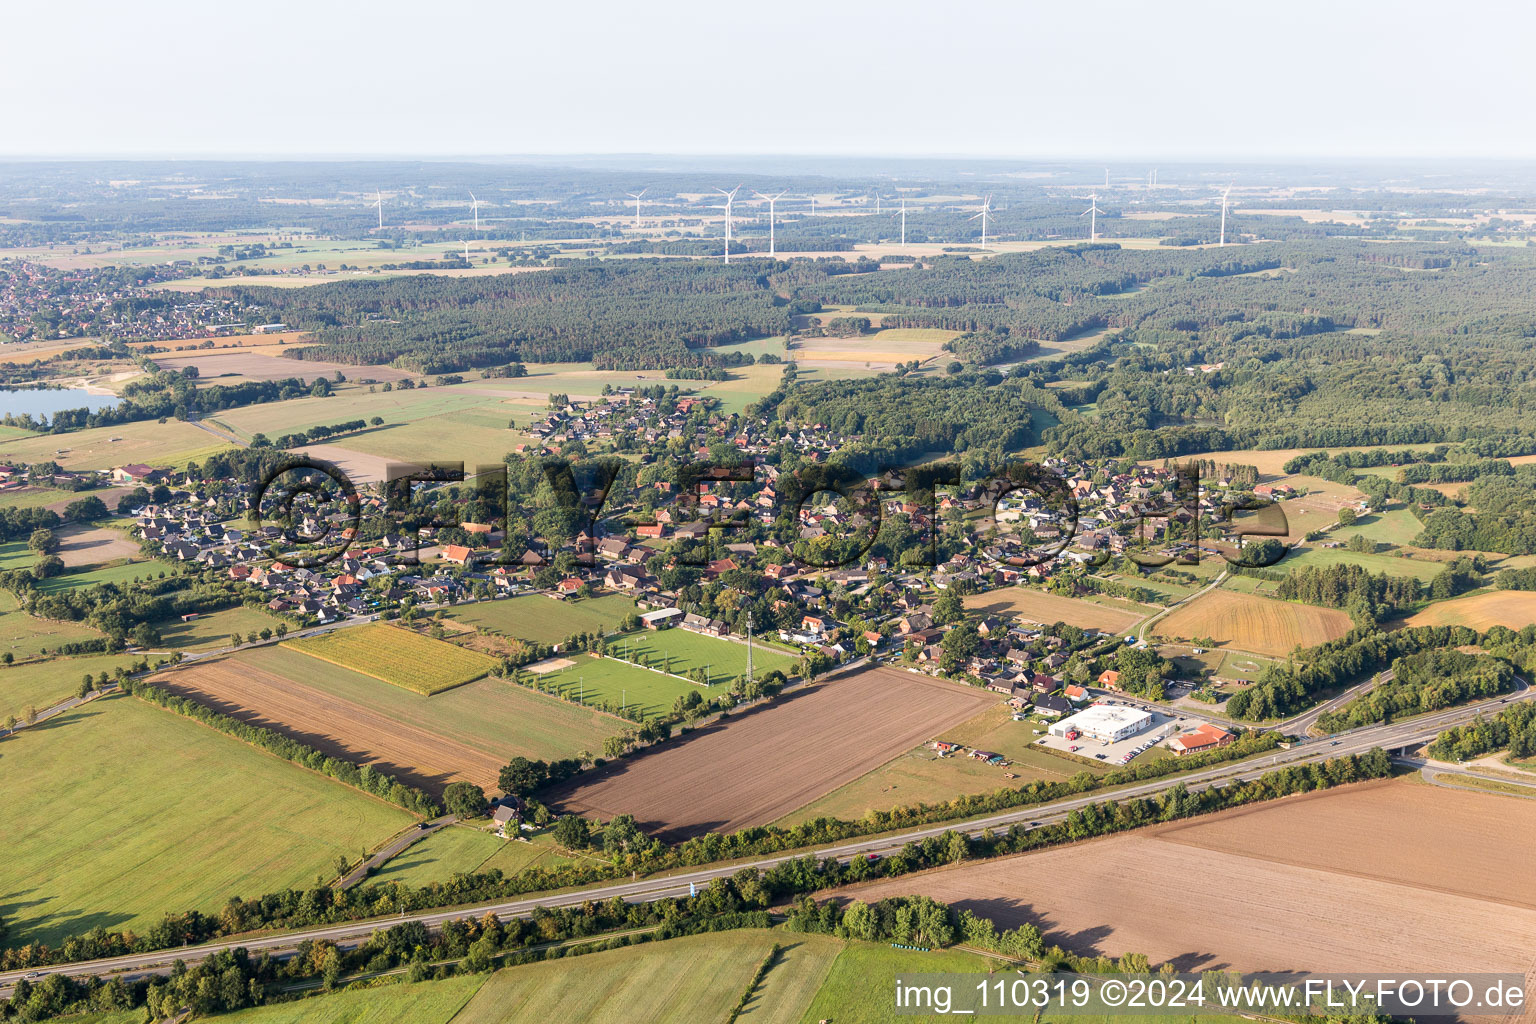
{"x":1390,"y":736}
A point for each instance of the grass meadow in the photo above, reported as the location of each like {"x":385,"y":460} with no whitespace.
{"x":119,"y":812}
{"x":543,"y":619}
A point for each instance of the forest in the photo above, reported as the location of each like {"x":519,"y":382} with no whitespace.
{"x":618,"y":316}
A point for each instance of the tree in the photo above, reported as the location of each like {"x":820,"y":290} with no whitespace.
{"x":377,"y":421}
{"x":43,"y":541}
{"x":465,"y":799}
{"x":49,"y":567}
{"x":521,"y":776}
{"x":621,"y":834}
{"x":1346,"y":517}
{"x":571,"y":832}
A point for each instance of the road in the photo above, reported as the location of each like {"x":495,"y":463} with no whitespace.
{"x":1141,"y":630}
{"x":395,"y":847}
{"x":1391,"y":736}
{"x":222,"y":435}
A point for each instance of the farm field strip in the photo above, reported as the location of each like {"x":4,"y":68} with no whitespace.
{"x":756,"y":767}
{"x":1039,"y":606}
{"x":1513,"y":608}
{"x":1252,"y":623}
{"x":397,"y":656}
{"x":341,"y":728}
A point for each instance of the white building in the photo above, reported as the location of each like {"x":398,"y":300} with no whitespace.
{"x":1102,"y":722}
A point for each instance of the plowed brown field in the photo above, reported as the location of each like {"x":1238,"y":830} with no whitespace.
{"x":1381,"y":877}
{"x":339,"y":727}
{"x":759,"y":766}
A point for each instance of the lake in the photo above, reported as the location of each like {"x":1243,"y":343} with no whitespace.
{"x":42,"y":403}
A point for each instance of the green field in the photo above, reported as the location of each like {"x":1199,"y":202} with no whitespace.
{"x":45,"y":683}
{"x":1374,"y":563}
{"x":127,"y":572}
{"x":488,"y":714}
{"x":120,"y":812}
{"x":398,"y":656}
{"x":1395,"y":526}
{"x":427,"y":1002}
{"x":15,"y":554}
{"x":461,"y":849}
{"x":543,"y":619}
{"x":25,"y":636}
{"x":458,"y":422}
{"x":213,"y":629}
{"x":858,"y":987}
{"x":172,"y":443}
{"x":697,"y":978}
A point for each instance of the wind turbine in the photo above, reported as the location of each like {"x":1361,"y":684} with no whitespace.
{"x":986,"y":208}
{"x":474,"y":205}
{"x":813,"y":206}
{"x":636,"y":197}
{"x":877,"y":204}
{"x":730,"y":197}
{"x":1092,"y":213}
{"x":466,"y":249}
{"x":1224,"y":214}
{"x":903,"y":222}
{"x":1106,"y":177}
{"x":379,"y":202}
{"x":771,"y":200}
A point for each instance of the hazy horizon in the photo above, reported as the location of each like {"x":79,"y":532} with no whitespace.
{"x":1101,"y":81}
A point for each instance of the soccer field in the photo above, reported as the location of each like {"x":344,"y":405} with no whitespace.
{"x":119,"y":812}
{"x":724,"y":659}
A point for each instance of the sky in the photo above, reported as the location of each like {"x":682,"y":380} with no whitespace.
{"x":1303,"y":79}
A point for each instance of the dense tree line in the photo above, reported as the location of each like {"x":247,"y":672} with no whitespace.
{"x":1428,"y":681}
{"x":1513,"y":727}
{"x":1287,"y":689}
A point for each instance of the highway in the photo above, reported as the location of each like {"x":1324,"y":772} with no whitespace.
{"x":1391,"y":736}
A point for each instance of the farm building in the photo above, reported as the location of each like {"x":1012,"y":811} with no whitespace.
{"x":662,"y":618}
{"x":1206,"y":737}
{"x":1102,"y":722}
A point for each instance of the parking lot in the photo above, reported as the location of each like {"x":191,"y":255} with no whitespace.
{"x":1163,"y":728}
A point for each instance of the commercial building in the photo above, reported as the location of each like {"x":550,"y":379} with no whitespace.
{"x":1206,"y":737}
{"x":1102,"y":722}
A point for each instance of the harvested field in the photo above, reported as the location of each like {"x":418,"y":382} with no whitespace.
{"x":397,"y":656}
{"x":757,"y":767}
{"x":1513,"y":608}
{"x":1372,"y":890}
{"x":466,"y":734}
{"x":1252,"y":623}
{"x":252,"y":365}
{"x":1038,"y":606}
{"x":90,"y":545}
